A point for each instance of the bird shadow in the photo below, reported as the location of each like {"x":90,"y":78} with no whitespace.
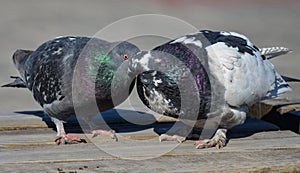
{"x":126,"y":121}
{"x":120,"y":120}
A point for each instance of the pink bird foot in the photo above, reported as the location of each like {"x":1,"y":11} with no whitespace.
{"x":62,"y":137}
{"x":68,"y":139}
{"x":218,"y":140}
{"x":110,"y":133}
{"x":166,"y":137}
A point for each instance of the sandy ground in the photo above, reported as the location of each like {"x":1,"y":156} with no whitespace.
{"x":26,"y":24}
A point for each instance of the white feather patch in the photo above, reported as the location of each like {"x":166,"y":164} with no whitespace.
{"x":144,"y":61}
{"x":246,"y":78}
{"x":185,"y":40}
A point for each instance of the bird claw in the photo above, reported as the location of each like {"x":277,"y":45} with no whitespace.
{"x":110,"y":133}
{"x":166,"y":137}
{"x":68,"y":139}
{"x":219,"y":140}
{"x":209,"y":144}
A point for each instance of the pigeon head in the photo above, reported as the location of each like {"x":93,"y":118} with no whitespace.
{"x":123,"y":50}
{"x":103,"y":65}
{"x":153,"y":60}
{"x":139,"y":63}
{"x":119,"y":80}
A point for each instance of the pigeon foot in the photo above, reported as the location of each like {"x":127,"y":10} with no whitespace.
{"x":166,"y":137}
{"x":68,"y":139}
{"x":110,"y":133}
{"x":219,"y":140}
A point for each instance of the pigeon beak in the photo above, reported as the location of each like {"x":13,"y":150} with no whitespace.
{"x":130,"y":73}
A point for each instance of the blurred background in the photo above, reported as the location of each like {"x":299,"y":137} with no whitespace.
{"x":25,"y":24}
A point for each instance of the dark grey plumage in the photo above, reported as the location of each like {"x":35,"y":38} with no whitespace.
{"x":48,"y":73}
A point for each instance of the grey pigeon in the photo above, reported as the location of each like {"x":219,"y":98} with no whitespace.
{"x":48,"y":73}
{"x":207,"y":78}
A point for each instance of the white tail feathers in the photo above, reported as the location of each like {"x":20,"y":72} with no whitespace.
{"x":279,"y":87}
{"x":272,"y":52}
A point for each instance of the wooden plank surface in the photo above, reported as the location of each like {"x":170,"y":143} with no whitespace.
{"x":254,"y":146}
{"x":27,"y":141}
{"x":264,"y":150}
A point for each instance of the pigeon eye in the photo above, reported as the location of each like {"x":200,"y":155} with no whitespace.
{"x":125,"y":57}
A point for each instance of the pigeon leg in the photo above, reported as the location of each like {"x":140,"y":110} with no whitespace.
{"x":218,"y":140}
{"x":62,"y":137}
{"x":110,"y":133}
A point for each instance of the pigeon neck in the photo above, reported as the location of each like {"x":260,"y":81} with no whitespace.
{"x":100,"y":67}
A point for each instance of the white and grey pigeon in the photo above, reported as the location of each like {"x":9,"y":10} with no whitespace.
{"x":207,"y":79}
{"x":48,"y":73}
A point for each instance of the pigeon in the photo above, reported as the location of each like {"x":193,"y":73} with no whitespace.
{"x":207,"y":79}
{"x":49,"y":70}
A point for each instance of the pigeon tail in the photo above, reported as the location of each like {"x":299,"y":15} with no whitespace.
{"x":280,"y":87}
{"x":272,"y":52}
{"x":18,"y":83}
{"x":290,"y":79}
